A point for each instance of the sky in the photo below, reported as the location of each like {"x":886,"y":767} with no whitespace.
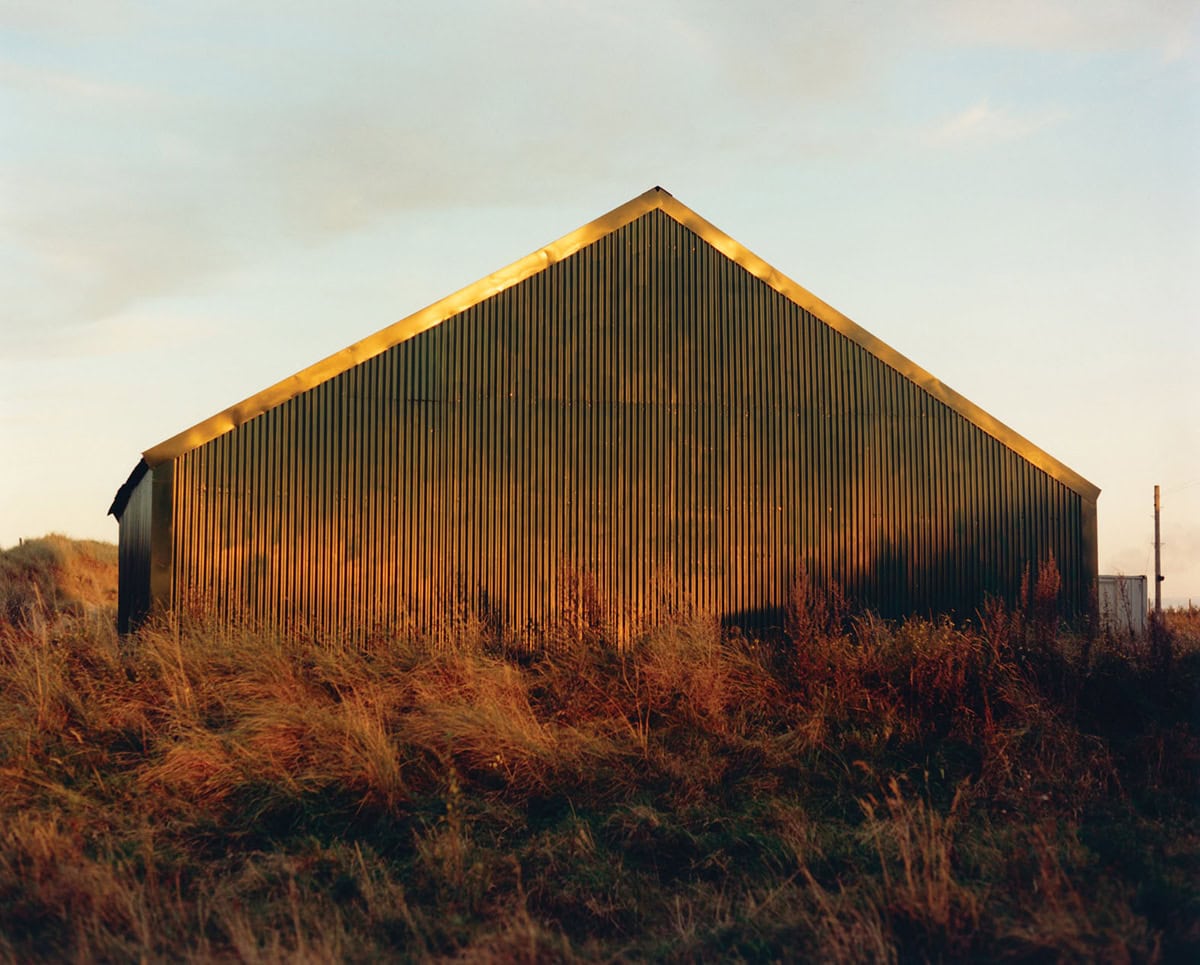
{"x":198,"y":199}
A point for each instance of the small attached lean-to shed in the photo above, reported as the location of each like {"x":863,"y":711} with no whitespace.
{"x":642,"y":407}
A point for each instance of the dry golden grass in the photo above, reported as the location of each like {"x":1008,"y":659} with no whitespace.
{"x":57,"y":575}
{"x":856,"y":791}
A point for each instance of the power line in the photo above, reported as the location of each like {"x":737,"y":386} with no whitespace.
{"x":1186,"y":485}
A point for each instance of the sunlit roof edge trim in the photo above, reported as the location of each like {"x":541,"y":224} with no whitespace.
{"x":880,"y":349}
{"x":402,"y":330}
{"x":532,"y":264}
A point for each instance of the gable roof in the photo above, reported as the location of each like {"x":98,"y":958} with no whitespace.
{"x":654,"y":199}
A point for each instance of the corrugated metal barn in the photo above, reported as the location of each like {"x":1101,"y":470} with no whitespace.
{"x":643,"y":407}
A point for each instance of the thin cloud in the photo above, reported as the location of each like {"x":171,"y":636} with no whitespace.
{"x":205,"y":160}
{"x":117,"y":334}
{"x":91,"y":18}
{"x":40,"y":80}
{"x":1079,"y":25}
{"x":982,"y":124}
{"x":171,"y":158}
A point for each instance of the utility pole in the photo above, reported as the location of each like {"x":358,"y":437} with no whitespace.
{"x":1158,"y":577}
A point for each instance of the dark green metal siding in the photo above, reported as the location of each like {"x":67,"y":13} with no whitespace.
{"x":133,"y":553}
{"x":645,"y":412}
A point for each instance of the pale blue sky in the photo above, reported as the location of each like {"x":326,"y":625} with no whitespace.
{"x":199,"y":198}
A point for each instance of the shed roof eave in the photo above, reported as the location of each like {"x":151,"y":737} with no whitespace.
{"x":656,"y":198}
{"x":404,"y":329}
{"x":881,"y":350}
{"x":121,"y":499}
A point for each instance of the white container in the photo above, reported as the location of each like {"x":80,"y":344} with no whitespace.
{"x":1123,"y":604}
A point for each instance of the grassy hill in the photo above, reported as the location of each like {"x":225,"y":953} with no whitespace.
{"x":56,"y":575}
{"x":853,"y":791}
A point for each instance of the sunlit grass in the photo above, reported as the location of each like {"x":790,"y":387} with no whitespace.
{"x":855,"y":791}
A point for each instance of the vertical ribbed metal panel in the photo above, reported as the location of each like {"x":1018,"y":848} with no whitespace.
{"x":645,"y":413}
{"x":133,"y":555}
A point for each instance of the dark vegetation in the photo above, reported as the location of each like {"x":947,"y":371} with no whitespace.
{"x":856,"y":790}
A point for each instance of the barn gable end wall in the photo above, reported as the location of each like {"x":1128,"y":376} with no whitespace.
{"x":644,"y":414}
